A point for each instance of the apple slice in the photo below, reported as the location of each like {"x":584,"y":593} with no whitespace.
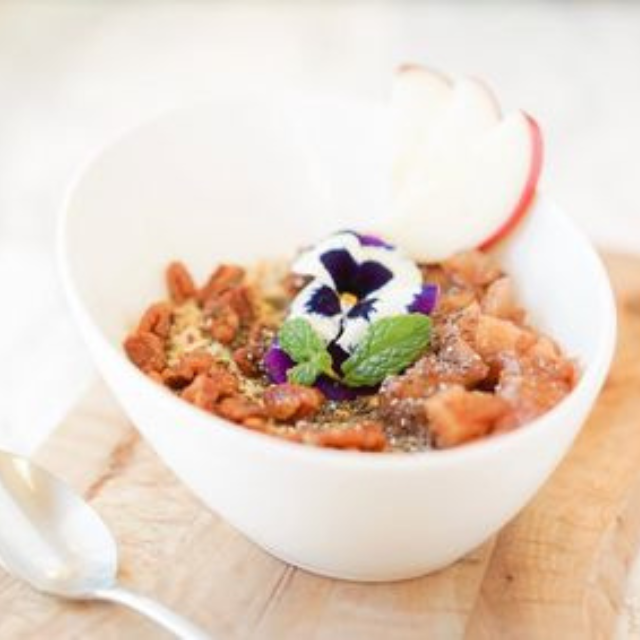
{"x":469,"y":195}
{"x":473,"y":110}
{"x":528,"y":190}
{"x":420,"y":96}
{"x":435,"y":117}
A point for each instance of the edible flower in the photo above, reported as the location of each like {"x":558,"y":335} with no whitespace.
{"x":357,"y":280}
{"x":360,"y":286}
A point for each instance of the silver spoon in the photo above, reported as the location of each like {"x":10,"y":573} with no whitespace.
{"x":56,"y":542}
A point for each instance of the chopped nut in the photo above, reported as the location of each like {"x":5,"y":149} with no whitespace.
{"x":249,"y":357}
{"x":179,"y":283}
{"x":455,"y":299}
{"x":292,"y":401}
{"x":225,"y":322}
{"x":146,"y":351}
{"x":240,"y":409}
{"x":472,"y":268}
{"x":223,"y":278}
{"x":257,"y":423}
{"x":457,"y":415}
{"x":533,"y":385}
{"x":198,"y":361}
{"x":455,"y":363}
{"x":365,"y":436}
{"x":157,"y":319}
{"x":494,"y":337}
{"x":226,"y":382}
{"x":500,"y":301}
{"x":177,"y":377}
{"x":188,"y":367}
{"x":247,"y":362}
{"x":207,"y":389}
{"x":202,"y":392}
{"x":239,"y":299}
{"x":155,"y":376}
{"x":461,"y":324}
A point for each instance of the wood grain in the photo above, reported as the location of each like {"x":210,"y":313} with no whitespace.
{"x":557,"y":571}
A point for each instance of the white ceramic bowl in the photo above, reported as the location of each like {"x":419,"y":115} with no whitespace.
{"x":244,"y":179}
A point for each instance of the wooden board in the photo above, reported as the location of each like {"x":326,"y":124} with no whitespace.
{"x":557,"y":571}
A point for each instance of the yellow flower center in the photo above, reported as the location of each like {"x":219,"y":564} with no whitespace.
{"x":348,"y":299}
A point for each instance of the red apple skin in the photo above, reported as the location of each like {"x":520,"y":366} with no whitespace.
{"x":528,"y":192}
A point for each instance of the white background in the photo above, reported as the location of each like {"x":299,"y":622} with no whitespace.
{"x":74,"y":73}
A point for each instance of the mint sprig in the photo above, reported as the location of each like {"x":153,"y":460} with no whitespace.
{"x":389,"y":346}
{"x":303,"y":345}
{"x":307,"y":372}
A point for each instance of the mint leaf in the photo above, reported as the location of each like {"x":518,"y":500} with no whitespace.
{"x":305,"y":374}
{"x":299,"y":340}
{"x":324,"y":363}
{"x":389,"y":346}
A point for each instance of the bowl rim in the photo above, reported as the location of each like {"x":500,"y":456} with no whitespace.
{"x":592,"y":377}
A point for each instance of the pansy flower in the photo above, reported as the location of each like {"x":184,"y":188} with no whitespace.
{"x":355,"y":281}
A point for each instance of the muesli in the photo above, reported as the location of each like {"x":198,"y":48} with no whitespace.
{"x":353,"y":345}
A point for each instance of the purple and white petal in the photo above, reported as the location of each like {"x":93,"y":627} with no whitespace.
{"x":315,"y":304}
{"x":357,"y":278}
{"x":425,"y":300}
{"x":363,"y":309}
{"x":369,"y":240}
{"x":277,"y":363}
{"x":309,"y":263}
{"x":339,"y":392}
{"x":371,"y":276}
{"x":395,"y":302}
{"x":334,"y":260}
{"x":342,"y":267}
{"x":405,"y":271}
{"x":323,"y":301}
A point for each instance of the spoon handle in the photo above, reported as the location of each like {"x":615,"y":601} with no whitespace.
{"x":161,"y":615}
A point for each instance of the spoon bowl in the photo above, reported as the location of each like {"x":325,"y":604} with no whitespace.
{"x":56,"y":541}
{"x":52,"y":539}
